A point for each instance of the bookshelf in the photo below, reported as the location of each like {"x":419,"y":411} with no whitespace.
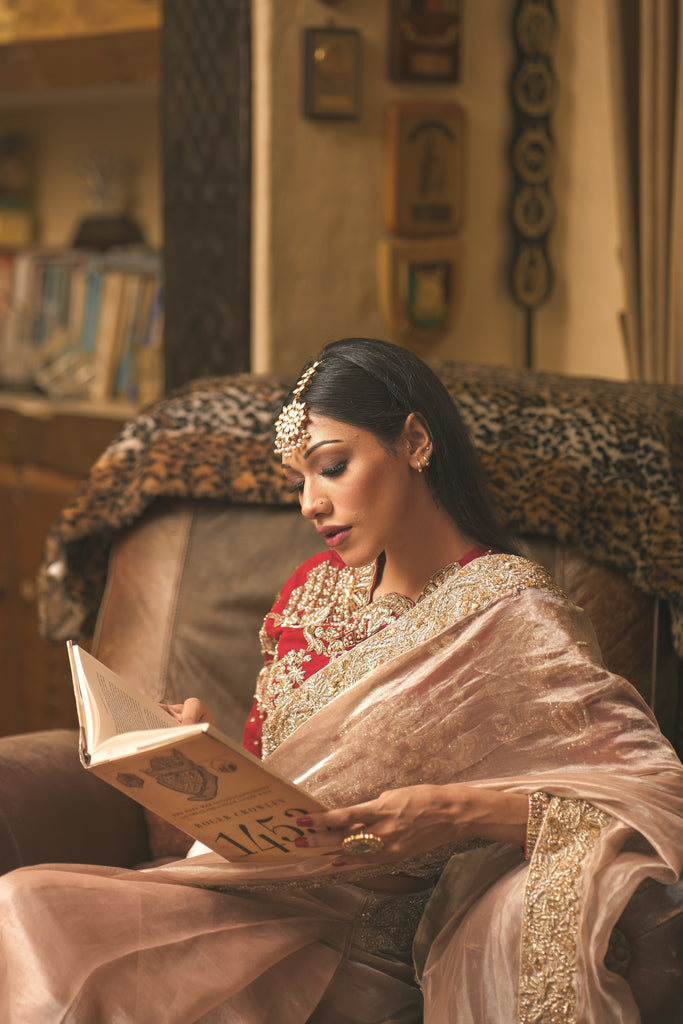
{"x":76,"y":78}
{"x":77,"y":75}
{"x":80,"y":88}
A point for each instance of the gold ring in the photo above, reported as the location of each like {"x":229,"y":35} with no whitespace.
{"x":363,"y":842}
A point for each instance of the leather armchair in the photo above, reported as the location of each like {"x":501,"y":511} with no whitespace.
{"x":187,"y":587}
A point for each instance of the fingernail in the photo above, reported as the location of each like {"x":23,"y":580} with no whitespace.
{"x":338,"y":863}
{"x":301,"y":841}
{"x":305,"y":822}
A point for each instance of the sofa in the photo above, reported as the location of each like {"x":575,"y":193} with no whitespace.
{"x":166,"y":562}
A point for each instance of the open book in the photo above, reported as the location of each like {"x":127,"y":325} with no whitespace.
{"x":194,"y":776}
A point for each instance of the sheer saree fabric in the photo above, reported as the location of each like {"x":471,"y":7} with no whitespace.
{"x":493,"y":680}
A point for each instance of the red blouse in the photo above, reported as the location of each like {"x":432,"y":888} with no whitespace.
{"x":281,"y":637}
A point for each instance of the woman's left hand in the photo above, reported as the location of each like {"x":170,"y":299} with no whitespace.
{"x":414,"y":819}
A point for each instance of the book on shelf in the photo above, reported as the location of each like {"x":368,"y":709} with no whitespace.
{"x":106,"y":339}
{"x":148,"y":361}
{"x":75,"y":321}
{"x":195,"y":776}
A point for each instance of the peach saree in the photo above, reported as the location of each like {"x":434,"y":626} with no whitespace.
{"x":492,"y":679}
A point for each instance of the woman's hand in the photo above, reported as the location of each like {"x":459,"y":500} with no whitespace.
{"x":415,"y":819}
{"x":191,"y":712}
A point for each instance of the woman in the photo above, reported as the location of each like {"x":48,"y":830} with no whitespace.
{"x":496,"y":795}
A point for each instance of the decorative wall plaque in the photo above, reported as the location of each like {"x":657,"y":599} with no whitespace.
{"x":424,"y":187}
{"x":419,"y":288}
{"x":332,"y":76}
{"x":424,"y":40}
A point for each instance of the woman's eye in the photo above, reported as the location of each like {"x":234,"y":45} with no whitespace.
{"x":296,"y":488}
{"x":335,"y":470}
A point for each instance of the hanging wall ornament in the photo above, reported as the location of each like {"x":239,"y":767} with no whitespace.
{"x":532,"y":210}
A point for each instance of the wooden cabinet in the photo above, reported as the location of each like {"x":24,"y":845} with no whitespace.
{"x":50,"y":19}
{"x":44,"y":453}
{"x":77,"y":44}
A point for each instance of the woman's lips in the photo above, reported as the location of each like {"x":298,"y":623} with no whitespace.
{"x":336,"y":535}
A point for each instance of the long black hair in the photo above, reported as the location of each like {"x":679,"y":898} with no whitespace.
{"x":375,"y":385}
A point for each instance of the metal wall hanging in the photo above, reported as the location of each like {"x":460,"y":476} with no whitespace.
{"x":532,"y":210}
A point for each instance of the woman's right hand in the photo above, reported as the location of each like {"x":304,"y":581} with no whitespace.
{"x":191,"y":712}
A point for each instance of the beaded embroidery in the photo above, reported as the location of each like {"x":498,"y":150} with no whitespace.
{"x":550,"y":915}
{"x":334,"y":612}
{"x":333,"y":608}
{"x":290,"y":426}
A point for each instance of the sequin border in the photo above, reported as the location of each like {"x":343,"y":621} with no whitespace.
{"x":551,"y":912}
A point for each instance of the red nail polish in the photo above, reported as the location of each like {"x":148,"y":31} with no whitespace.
{"x":301,"y":841}
{"x":305,"y":822}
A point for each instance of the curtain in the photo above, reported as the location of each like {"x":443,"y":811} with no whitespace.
{"x":646,"y":55}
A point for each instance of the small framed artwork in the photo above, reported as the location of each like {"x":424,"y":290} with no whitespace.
{"x":332,"y":73}
{"x":424,"y":40}
{"x":419,"y":283}
{"x":424,"y":171}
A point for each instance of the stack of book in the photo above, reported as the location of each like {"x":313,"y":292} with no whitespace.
{"x":79,"y":324}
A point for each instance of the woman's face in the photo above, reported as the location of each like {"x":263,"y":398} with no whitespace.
{"x":356,"y":492}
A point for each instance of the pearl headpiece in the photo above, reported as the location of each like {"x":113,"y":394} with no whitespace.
{"x":290,"y":426}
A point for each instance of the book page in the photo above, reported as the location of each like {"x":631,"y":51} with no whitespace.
{"x":112,"y":706}
{"x":126,"y":712}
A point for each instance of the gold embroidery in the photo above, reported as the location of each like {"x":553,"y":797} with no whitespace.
{"x":388,"y":922}
{"x":334,"y":611}
{"x":469,"y":588}
{"x":538,"y":805}
{"x":550,"y":916}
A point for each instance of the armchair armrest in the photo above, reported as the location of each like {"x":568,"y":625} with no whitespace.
{"x":53,"y":811}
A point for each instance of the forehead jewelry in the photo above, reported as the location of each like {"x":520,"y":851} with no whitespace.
{"x":290,"y":426}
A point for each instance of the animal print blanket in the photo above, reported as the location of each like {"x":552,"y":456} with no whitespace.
{"x":592,"y":463}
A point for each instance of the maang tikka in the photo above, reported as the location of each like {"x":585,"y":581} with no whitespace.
{"x":290,"y":426}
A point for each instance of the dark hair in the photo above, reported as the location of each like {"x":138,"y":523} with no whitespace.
{"x":375,"y":385}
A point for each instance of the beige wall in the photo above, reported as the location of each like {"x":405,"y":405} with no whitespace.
{"x":578,"y":329}
{"x":318,"y":189}
{"x":318,"y":195}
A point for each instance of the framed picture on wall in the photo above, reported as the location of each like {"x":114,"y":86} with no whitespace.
{"x":425,"y":167}
{"x":419,"y":286}
{"x":424,"y":40}
{"x":332,"y":73}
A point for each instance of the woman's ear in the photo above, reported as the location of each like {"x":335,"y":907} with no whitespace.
{"x":417,"y":439}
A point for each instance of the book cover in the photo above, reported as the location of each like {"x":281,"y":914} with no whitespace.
{"x":194,"y":776}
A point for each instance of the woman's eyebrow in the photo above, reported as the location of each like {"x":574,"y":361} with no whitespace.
{"x":319,"y":444}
